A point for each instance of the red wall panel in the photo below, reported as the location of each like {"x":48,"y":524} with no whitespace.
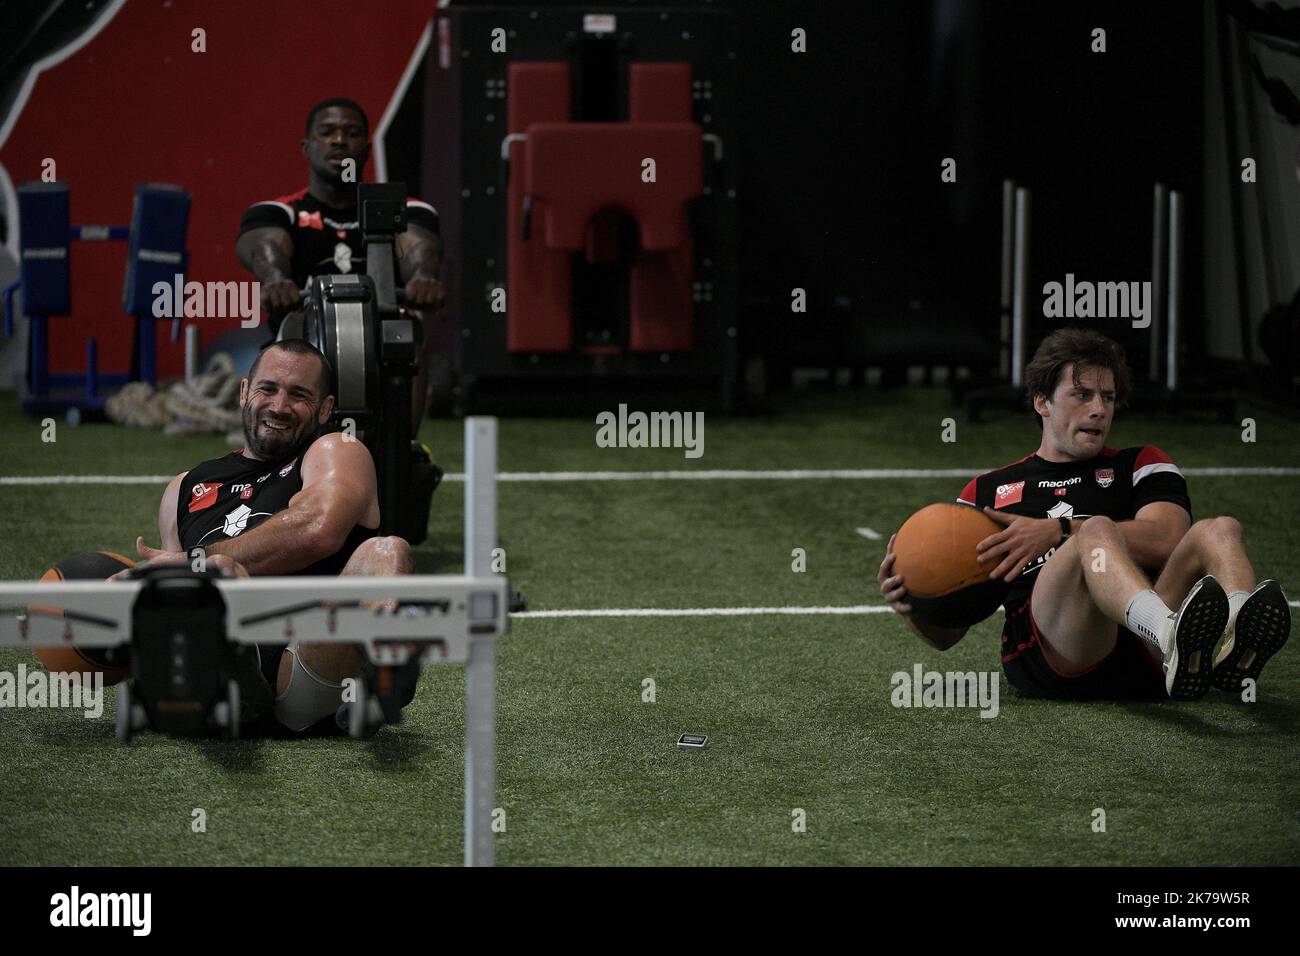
{"x":136,"y":105}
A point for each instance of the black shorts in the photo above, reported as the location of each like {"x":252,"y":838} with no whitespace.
{"x":1127,"y":673}
{"x":270,"y":660}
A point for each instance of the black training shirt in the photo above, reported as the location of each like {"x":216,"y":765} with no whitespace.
{"x":1116,"y":483}
{"x":223,"y":497}
{"x":326,"y":240}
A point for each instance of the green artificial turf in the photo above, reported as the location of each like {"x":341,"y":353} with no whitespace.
{"x":797,"y":707}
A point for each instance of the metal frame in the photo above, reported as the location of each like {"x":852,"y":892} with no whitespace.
{"x":457,"y":618}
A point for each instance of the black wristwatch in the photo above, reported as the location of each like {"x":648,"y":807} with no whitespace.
{"x":1065,"y":529}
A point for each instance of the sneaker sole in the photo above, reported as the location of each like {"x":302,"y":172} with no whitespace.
{"x":1201,"y":621}
{"x":1263,"y":625}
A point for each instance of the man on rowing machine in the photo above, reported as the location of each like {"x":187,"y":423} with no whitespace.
{"x":317,"y":231}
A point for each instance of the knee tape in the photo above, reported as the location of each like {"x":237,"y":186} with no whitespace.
{"x":308,"y":699}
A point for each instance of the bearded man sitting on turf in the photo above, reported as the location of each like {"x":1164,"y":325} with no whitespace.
{"x":292,"y":501}
{"x":1086,"y":529}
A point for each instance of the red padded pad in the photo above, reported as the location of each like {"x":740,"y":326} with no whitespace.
{"x":662,"y":307}
{"x":536,"y":92}
{"x":539,"y":306}
{"x":577,"y":169}
{"x":659,"y":92}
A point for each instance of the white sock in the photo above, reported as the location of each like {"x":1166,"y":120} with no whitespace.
{"x":1235,"y":600}
{"x":1149,"y":618}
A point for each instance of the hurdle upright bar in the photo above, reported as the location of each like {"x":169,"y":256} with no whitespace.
{"x":1159,"y":219}
{"x":1020,"y":288}
{"x":480,"y":668}
{"x":1174,"y":296}
{"x":1008,"y":274}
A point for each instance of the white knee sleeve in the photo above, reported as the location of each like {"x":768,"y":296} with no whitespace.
{"x":308,"y":698}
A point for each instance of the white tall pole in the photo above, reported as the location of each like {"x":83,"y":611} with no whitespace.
{"x":1021,"y":286}
{"x":1158,"y":217}
{"x":1008,"y":230}
{"x":1172,"y":326}
{"x":480,"y":669}
{"x":191,"y":351}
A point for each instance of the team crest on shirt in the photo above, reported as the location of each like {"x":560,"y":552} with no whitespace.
{"x":237,"y":521}
{"x":203,"y":495}
{"x":1009,"y":494}
{"x":343,"y":257}
{"x":1062,"y":509}
{"x":310,"y":220}
{"x":1104,"y":476}
{"x":288,"y":468}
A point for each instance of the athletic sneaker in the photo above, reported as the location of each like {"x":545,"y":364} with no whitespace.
{"x":1261,"y":627}
{"x":1198,"y":625}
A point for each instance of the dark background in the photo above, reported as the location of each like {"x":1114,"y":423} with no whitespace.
{"x":840,"y":148}
{"x":839,"y":151}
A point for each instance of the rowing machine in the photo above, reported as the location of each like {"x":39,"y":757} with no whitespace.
{"x":358,"y":323}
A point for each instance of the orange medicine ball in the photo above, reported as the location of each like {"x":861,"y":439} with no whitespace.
{"x":935,"y":554}
{"x":85,"y":566}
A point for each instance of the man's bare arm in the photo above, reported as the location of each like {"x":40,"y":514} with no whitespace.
{"x":267,"y":252}
{"x":338,"y":493}
{"x":419,"y":253}
{"x":895,"y":593}
{"x":1154,"y":532}
{"x":167,"y":515}
{"x":940,"y":638}
{"x":419,"y":257}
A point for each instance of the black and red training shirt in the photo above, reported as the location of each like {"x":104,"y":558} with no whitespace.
{"x":326,"y":240}
{"x":1116,"y":483}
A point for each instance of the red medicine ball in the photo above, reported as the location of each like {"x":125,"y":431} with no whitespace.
{"x":935,"y":554}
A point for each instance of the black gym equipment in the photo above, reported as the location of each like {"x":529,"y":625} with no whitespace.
{"x":358,"y":322}
{"x":1162,"y":387}
{"x":185,"y":671}
{"x":534,"y":111}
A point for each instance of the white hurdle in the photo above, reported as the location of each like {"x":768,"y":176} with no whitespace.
{"x":455,"y":618}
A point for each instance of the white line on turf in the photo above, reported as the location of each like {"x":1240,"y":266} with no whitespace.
{"x":717,"y":611}
{"x":705,"y":611}
{"x":86,"y":479}
{"x":868,"y":534}
{"x":717,"y":475}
